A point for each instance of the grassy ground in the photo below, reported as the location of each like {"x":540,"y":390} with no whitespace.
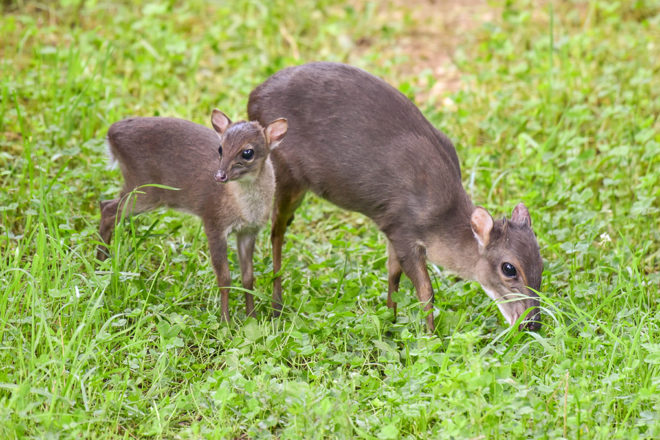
{"x":557,"y":106}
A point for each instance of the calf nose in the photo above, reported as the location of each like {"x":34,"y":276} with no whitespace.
{"x":221,"y":176}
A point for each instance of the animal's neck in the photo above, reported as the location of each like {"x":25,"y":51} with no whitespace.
{"x":452,"y":244}
{"x":261,"y":182}
{"x":253,"y":196}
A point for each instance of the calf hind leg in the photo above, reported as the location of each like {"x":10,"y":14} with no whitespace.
{"x":126,"y":205}
{"x":106,"y":226}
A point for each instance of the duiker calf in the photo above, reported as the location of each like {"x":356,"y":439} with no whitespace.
{"x":184,"y":155}
{"x":361,"y":144}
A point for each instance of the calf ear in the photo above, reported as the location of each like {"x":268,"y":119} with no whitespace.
{"x":482,"y":225}
{"x":520,"y":215}
{"x":276,"y":131}
{"x":220,"y":121}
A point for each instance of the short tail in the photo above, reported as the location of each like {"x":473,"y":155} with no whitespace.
{"x":112,"y":160}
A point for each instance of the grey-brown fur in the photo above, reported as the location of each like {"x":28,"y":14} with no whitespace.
{"x":358,"y":142}
{"x":184,"y":155}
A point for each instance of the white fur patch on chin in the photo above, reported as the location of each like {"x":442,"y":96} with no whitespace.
{"x":509,"y":318}
{"x":490,"y":293}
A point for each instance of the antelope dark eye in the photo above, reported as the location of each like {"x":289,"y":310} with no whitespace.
{"x":248,"y":154}
{"x":508,"y":270}
{"x":220,"y":150}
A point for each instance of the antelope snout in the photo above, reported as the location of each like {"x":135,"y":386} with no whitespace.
{"x":221,"y":176}
{"x":532,"y":321}
{"x":514,"y":305}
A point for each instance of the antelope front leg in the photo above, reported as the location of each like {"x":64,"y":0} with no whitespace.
{"x":245,"y":244}
{"x":412,"y":258}
{"x":288,"y":196}
{"x":218,"y":248}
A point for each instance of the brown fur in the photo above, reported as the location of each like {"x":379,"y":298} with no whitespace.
{"x":362,"y":145}
{"x":184,"y":155}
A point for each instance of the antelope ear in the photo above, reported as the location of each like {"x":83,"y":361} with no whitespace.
{"x":220,"y":121}
{"x":276,"y":131}
{"x":520,"y":215}
{"x":482,"y":225}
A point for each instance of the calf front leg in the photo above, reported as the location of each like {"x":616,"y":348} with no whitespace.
{"x":245,"y":245}
{"x":218,"y":248}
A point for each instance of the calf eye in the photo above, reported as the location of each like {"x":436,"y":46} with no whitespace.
{"x":248,"y":154}
{"x":220,"y":150}
{"x":508,"y":270}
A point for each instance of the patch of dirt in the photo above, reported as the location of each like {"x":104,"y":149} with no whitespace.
{"x":434,"y":29}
